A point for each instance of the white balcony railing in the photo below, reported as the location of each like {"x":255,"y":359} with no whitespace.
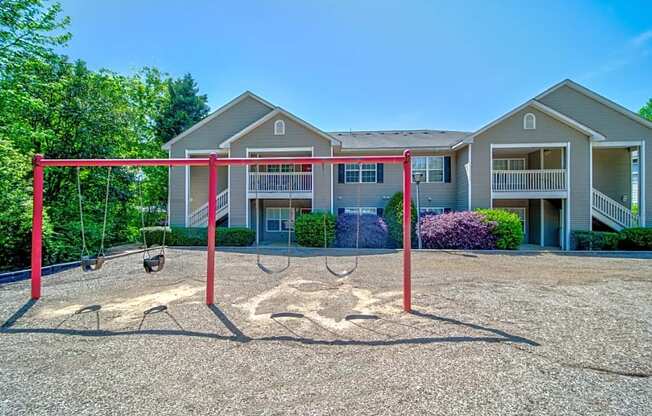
{"x":540,"y":180}
{"x":267,"y":182}
{"x":613,"y":210}
{"x":199,"y":217}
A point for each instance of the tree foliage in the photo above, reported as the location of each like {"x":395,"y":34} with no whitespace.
{"x":393,"y":215}
{"x":646,"y":110}
{"x":184,"y":108}
{"x":62,"y":109}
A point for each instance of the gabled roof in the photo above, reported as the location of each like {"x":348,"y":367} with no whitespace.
{"x":546,"y":110}
{"x":214,"y":114}
{"x":398,"y":139}
{"x":597,"y":97}
{"x":277,"y":111}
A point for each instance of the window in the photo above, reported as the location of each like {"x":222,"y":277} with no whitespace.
{"x":278,"y":219}
{"x":529,"y":121}
{"x":363,"y":210}
{"x":509,"y":164}
{"x":365,"y":173}
{"x":431,"y":210}
{"x":279,"y":128}
{"x":431,"y":167}
{"x":521,"y":215}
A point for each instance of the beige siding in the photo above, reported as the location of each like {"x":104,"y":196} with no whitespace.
{"x":208,"y":137}
{"x":199,"y":185}
{"x":612,"y":173}
{"x":436,"y":195}
{"x":263,"y":137}
{"x":548,"y":130}
{"x":614,"y":125}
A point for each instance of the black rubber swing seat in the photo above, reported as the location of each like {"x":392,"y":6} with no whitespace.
{"x":154,"y":264}
{"x":91,"y":264}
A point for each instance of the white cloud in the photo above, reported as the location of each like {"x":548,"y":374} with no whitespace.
{"x":642,"y":38}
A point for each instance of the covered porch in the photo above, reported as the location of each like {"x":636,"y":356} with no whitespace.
{"x":543,"y":221}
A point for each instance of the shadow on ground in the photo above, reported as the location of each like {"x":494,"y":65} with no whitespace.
{"x":238,"y":336}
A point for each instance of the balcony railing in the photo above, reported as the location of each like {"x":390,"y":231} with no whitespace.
{"x":540,"y":180}
{"x":267,"y":182}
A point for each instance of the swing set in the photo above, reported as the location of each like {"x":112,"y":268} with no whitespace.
{"x":155,"y":263}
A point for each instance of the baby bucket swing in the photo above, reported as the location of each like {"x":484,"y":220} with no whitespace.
{"x":259,"y":262}
{"x":345,"y":272}
{"x":151,"y":263}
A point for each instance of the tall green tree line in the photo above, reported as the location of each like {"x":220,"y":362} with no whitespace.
{"x":62,"y":109}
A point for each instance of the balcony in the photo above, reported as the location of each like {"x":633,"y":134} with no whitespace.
{"x":539,"y":183}
{"x":280,"y":184}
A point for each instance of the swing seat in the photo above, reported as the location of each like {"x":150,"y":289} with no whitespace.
{"x":343,"y":273}
{"x":267,"y":270}
{"x":91,"y":264}
{"x":154,"y":264}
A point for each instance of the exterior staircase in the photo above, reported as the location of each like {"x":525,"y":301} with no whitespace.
{"x":611,"y":212}
{"x":199,"y":217}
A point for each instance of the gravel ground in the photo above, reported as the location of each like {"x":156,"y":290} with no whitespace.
{"x":490,"y":334}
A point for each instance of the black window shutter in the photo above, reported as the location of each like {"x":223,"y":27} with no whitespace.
{"x":379,"y":212}
{"x":447,"y":210}
{"x":447,"y":169}
{"x":380,"y":173}
{"x":340,"y":211}
{"x":340,"y":173}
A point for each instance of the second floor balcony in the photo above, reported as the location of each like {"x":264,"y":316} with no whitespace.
{"x":280,"y":182}
{"x":514,"y":183}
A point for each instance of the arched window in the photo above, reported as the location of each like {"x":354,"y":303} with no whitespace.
{"x":279,"y":128}
{"x":529,"y":121}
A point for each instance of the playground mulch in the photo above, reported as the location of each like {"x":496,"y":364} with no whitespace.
{"x":491,"y":334}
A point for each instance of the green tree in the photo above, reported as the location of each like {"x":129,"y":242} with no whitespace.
{"x":29,"y":30}
{"x":393,"y":215}
{"x":184,"y":108}
{"x":646,"y":110}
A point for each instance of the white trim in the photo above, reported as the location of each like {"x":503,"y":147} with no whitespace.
{"x":597,"y":97}
{"x":359,"y":165}
{"x":591,"y":185}
{"x":530,"y":195}
{"x":277,"y":111}
{"x":458,"y":145}
{"x":543,"y":225}
{"x":186,"y":192}
{"x":279,"y":128}
{"x":642,"y":183}
{"x":534,"y":121}
{"x":526,"y":145}
{"x":332,"y":186}
{"x":207,"y":152}
{"x":470,"y":176}
{"x":169,"y":215}
{"x":168,"y":145}
{"x":228,"y":172}
{"x":568,"y":199}
{"x":525,"y":164}
{"x":375,"y":209}
{"x":279,"y":149}
{"x":546,"y":110}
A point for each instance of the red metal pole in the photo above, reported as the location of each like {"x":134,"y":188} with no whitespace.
{"x":37,"y":227}
{"x":407,"y":229}
{"x":212,"y":201}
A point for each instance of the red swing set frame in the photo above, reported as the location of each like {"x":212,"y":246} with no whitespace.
{"x":212,"y":163}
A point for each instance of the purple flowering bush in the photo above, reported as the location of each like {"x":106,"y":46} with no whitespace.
{"x":373,"y":231}
{"x":457,"y":230}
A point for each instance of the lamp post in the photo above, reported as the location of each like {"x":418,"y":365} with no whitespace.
{"x":418,"y":178}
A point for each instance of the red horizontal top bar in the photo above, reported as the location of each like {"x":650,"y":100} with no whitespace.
{"x":222,"y":161}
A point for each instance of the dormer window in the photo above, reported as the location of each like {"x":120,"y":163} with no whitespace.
{"x":529,"y":121}
{"x":279,"y":128}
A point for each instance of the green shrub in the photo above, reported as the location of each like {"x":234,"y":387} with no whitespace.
{"x":636,"y":239}
{"x":508,"y":230}
{"x":309,"y":229}
{"x":595,"y":240}
{"x":393,"y":216}
{"x":181,"y":236}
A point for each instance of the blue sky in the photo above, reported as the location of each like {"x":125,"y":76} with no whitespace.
{"x":376,"y":64}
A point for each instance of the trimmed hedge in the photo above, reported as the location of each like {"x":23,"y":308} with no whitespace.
{"x":309,"y":229}
{"x":373,"y":231}
{"x":638,"y":238}
{"x":393,"y":216}
{"x":457,"y":230}
{"x":181,"y":236}
{"x":508,"y":229}
{"x":595,"y":240}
